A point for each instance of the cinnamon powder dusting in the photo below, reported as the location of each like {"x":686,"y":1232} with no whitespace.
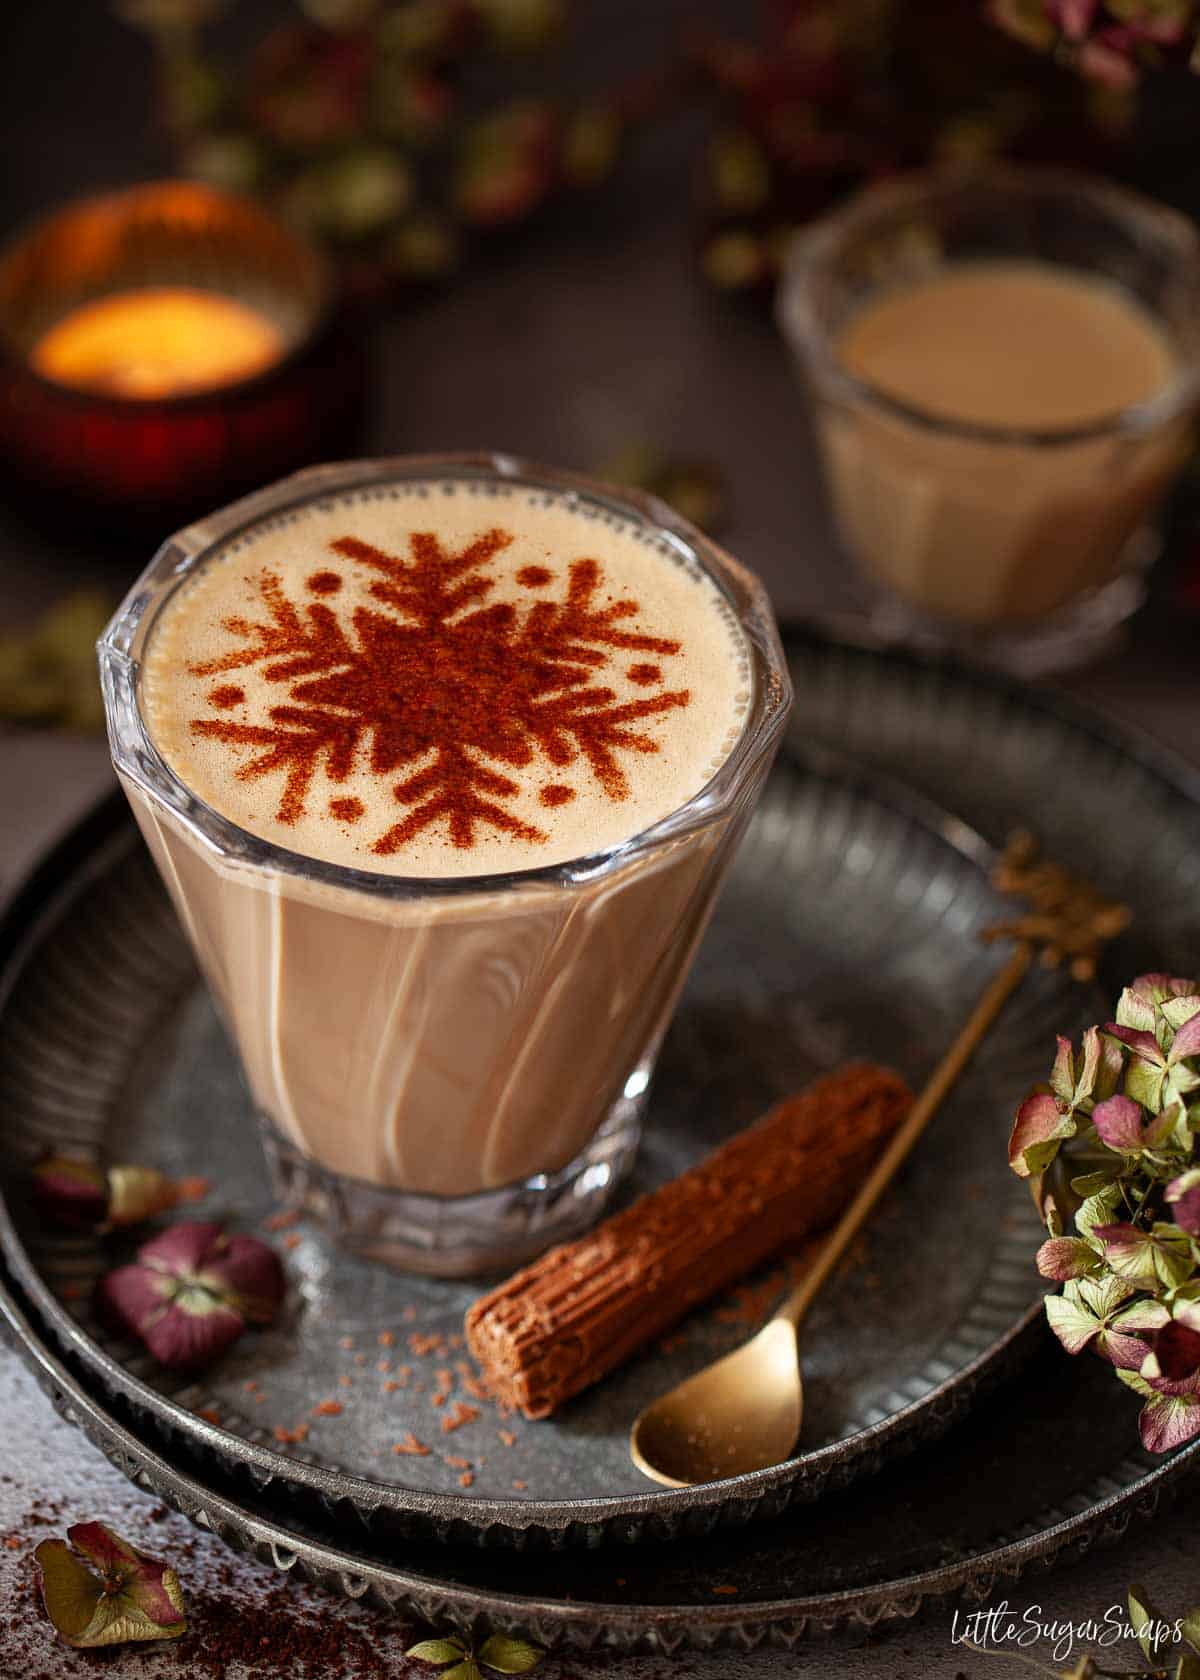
{"x":228,"y":694}
{"x":434,"y":685}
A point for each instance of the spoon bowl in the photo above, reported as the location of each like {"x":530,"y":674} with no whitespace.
{"x":741,"y":1413}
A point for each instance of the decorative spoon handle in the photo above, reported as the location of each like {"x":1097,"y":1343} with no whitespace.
{"x":940,"y":1082}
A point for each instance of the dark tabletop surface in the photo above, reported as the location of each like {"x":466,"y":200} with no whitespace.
{"x":576,"y":341}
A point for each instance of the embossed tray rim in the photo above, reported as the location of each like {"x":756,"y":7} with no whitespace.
{"x":575,"y":1625}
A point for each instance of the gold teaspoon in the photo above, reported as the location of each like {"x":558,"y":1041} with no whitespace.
{"x":744,"y":1411}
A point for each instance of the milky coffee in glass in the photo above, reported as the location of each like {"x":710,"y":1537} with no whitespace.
{"x":468,"y":733}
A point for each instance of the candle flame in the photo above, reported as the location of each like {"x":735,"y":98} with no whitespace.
{"x":158,"y":341}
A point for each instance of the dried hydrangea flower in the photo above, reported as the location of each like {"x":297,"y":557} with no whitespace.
{"x":100,"y":1590}
{"x":192,"y":1291}
{"x":1120,"y":1128}
{"x":84,"y":1196}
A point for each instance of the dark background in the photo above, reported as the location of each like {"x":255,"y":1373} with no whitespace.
{"x":576,"y":337}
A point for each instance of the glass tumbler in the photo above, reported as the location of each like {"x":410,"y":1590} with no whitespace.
{"x":1025,"y":548}
{"x":450,"y":1073}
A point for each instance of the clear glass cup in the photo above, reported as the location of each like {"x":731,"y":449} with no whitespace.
{"x":1023,"y":548}
{"x":450,"y":1073}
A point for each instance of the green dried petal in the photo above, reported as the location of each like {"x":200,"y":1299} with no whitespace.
{"x":440,"y":1651}
{"x":510,"y":1656}
{"x":1143,"y":1618}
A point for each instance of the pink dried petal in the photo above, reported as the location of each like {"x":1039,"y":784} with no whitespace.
{"x":1040,"y":1122}
{"x":1183,"y":1198}
{"x":247,"y":1273}
{"x":1173,"y":1367}
{"x":1127,"y":1353}
{"x":1169,"y":1421}
{"x":1118,"y":1122}
{"x":131,"y":1296}
{"x":1066,"y":1257}
{"x":1142,"y":1044}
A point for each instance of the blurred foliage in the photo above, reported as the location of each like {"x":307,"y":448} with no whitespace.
{"x":48,"y":673}
{"x":1111,"y":42}
{"x":362,"y":120}
{"x":359,"y":120}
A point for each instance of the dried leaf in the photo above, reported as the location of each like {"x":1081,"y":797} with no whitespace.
{"x":99,"y":1590}
{"x":510,"y":1656}
{"x":439,"y":1651}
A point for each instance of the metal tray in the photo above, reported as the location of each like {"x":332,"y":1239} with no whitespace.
{"x":848,"y":926}
{"x":951,"y":1520}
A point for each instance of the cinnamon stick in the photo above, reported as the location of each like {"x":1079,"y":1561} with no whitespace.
{"x":565,"y":1321}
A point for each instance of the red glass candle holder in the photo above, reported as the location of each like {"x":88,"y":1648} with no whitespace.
{"x":161,"y":458}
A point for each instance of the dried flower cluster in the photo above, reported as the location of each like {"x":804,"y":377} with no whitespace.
{"x":99,"y":1590}
{"x":360,"y":121}
{"x":192,"y":1291}
{"x":189,"y":1292}
{"x":1109,"y":1146}
{"x":82,"y":1195}
{"x":1111,"y":41}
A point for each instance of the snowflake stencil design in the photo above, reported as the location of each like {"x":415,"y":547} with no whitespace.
{"x":440,"y":686}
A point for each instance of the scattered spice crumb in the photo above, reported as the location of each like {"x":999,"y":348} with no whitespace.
{"x":281,"y":1220}
{"x":346,"y":1341}
{"x":209,"y":1414}
{"x":391,"y":1386}
{"x":328,"y":1408}
{"x":386,"y":1338}
{"x":438,"y":1399}
{"x":466,"y":1479}
{"x":409,"y":1314}
{"x":457,"y":1463}
{"x":383,"y":1365}
{"x":292,"y":1240}
{"x":13,"y":1542}
{"x":250,"y":1387}
{"x":345,"y":1381}
{"x":459,"y":1414}
{"x":291,"y":1437}
{"x":725,"y":1591}
{"x":520,"y":1487}
{"x":507,"y":1438}
{"x":444,"y":1379}
{"x":410,"y":1444}
{"x":193,"y":1189}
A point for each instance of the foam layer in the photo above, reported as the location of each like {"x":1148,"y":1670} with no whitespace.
{"x":446,"y":678}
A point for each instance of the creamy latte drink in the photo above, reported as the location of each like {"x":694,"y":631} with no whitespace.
{"x":475,"y":747}
{"x":955,"y":525}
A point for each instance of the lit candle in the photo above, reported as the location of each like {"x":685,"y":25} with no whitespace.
{"x":158,"y":341}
